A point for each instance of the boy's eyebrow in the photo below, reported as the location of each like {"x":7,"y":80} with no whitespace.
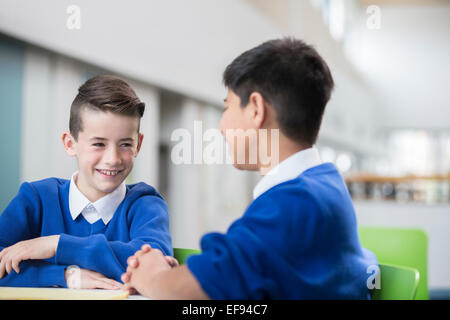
{"x":104,"y":139}
{"x":127,"y":139}
{"x":225,"y":100}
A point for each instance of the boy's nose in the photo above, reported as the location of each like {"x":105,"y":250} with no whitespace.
{"x":112,"y":157}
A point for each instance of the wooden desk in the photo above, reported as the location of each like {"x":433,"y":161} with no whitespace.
{"x":12,"y":293}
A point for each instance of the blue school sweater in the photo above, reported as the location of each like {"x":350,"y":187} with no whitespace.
{"x":297,"y":240}
{"x":41,"y":208}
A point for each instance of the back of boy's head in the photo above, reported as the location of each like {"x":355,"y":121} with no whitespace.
{"x":292,"y":77}
{"x":104,"y":93}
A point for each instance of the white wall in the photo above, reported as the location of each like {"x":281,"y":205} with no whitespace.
{"x":36,"y":113}
{"x":406,"y":61}
{"x":50,"y":84}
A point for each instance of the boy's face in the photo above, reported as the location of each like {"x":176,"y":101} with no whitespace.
{"x":239,"y":129}
{"x":105,"y":151}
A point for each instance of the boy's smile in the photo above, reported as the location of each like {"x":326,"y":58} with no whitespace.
{"x":109,"y":173}
{"x":105,"y":150}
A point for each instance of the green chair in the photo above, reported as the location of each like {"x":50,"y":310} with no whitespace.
{"x":399,"y":246}
{"x":182,"y":254}
{"x":396,"y":283}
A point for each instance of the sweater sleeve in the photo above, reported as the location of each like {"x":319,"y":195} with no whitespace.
{"x":21,"y":221}
{"x":36,"y":273}
{"x":148,"y":223}
{"x":238,"y":264}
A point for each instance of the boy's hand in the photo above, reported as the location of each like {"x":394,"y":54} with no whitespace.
{"x":143,"y":267}
{"x":77,"y":278}
{"x":38,"y":248}
{"x":133,"y":262}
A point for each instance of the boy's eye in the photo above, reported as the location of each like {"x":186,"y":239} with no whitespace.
{"x":126,"y":145}
{"x":98,"y":144}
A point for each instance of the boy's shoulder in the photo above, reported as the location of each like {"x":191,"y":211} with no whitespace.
{"x":318,"y":190}
{"x":143,"y":198}
{"x":47,"y":184}
{"x":309,"y":183}
{"x":50,"y":181}
{"x":141,"y":189}
{"x":45,"y":190}
{"x":316,"y":196}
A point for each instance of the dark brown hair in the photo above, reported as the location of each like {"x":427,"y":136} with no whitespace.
{"x":106,"y":93}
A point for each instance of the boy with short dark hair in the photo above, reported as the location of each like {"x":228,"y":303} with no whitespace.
{"x":298,"y":238}
{"x":93,"y":220}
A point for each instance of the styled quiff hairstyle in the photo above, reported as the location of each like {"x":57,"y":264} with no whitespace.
{"x":104,"y":93}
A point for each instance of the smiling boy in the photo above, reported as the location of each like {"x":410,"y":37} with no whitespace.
{"x":298,"y":238}
{"x":94,"y":220}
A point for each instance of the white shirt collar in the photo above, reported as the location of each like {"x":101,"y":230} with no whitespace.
{"x":103,"y":208}
{"x":288,"y":169}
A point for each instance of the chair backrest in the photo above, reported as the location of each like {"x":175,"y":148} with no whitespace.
{"x":399,"y":246}
{"x":182,"y":254}
{"x":396,"y":283}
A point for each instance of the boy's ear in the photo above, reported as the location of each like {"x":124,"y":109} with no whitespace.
{"x":257,"y":106}
{"x":140,"y":138}
{"x":69,"y":144}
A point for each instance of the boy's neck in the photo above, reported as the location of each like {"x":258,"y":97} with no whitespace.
{"x":91,"y":194}
{"x":287,"y":148}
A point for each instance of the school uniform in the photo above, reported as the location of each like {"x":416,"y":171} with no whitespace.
{"x":98,"y":236}
{"x":297,"y":240}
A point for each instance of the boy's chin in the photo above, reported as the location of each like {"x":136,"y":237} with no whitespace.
{"x":108,"y":187}
{"x":246,"y":167}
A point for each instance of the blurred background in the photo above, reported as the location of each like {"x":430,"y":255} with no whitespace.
{"x":387,"y":126}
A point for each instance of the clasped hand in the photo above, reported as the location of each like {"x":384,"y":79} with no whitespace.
{"x":143,"y":267}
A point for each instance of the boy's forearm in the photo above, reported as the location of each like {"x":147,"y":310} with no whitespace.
{"x":36,"y":273}
{"x":178,"y":284}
